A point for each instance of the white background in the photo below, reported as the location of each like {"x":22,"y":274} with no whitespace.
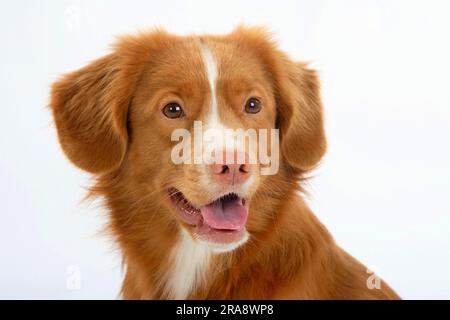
{"x":382,"y":189}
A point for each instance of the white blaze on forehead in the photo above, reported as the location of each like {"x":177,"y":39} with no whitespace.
{"x":213,"y":119}
{"x":215,"y":136}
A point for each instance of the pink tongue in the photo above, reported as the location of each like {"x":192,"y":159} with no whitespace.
{"x":228,"y":214}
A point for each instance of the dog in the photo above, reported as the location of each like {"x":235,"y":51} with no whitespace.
{"x":206,"y":230}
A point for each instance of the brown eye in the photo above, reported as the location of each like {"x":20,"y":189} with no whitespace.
{"x":173,"y":110}
{"x":253,"y":105}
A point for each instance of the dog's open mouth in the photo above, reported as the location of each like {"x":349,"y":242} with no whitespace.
{"x":221,"y":221}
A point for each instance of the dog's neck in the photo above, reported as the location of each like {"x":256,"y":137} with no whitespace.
{"x":164,"y":261}
{"x":189,"y":267}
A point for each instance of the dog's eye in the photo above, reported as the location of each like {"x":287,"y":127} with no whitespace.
{"x":173,"y":110}
{"x":253,"y":105}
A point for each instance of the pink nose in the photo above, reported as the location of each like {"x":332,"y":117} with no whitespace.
{"x":234,"y":169}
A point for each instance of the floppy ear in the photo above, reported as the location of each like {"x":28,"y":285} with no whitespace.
{"x":90,"y":106}
{"x":297,"y":92}
{"x":300,"y":115}
{"x":90,"y":115}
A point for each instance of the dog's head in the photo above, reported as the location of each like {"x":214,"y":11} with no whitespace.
{"x":126,"y":114}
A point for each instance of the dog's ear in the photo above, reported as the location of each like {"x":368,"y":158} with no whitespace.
{"x":90,"y":106}
{"x":300,"y":115}
{"x":90,"y":115}
{"x":297,"y":93}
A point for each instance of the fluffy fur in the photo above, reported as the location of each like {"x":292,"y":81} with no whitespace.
{"x":109,"y":123}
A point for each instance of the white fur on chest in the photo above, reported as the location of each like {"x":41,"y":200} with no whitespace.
{"x":189,"y":264}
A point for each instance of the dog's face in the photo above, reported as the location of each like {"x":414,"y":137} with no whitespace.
{"x":220,"y":86}
{"x":122,"y":112}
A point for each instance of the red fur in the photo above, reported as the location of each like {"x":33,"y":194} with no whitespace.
{"x":109,"y":124}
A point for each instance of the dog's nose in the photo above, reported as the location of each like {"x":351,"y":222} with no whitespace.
{"x":234,"y":169}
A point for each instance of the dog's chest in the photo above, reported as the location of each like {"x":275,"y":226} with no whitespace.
{"x":188,"y":268}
